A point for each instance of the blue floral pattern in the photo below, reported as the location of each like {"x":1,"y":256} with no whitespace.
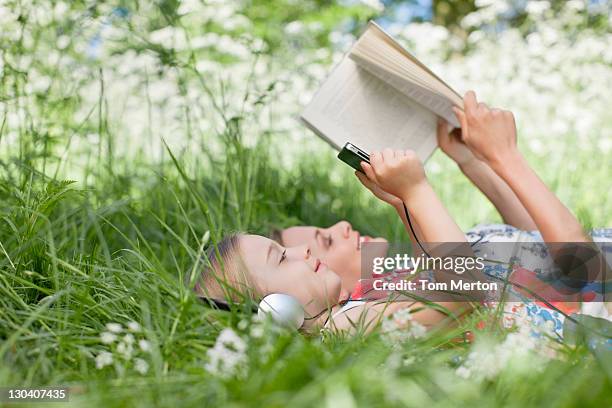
{"x":540,"y":320}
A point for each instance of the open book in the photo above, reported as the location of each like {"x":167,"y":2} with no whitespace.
{"x":381,"y":96}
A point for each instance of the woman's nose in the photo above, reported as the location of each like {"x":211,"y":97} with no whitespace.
{"x":345,"y":228}
{"x":305,"y":250}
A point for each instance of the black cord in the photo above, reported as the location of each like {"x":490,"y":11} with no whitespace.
{"x":413,"y":232}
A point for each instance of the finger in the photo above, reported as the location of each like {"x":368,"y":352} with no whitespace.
{"x":369,"y":172}
{"x":470,"y":104}
{"x":462,"y":121}
{"x":388,"y":155}
{"x":455,"y":134}
{"x":363,"y":179}
{"x":483,"y":107}
{"x":441,"y":130}
{"x":376,"y":162}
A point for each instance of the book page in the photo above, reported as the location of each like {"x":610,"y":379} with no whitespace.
{"x":355,"y":106}
{"x":438,"y":104}
{"x":379,"y":53}
{"x":378,"y":32}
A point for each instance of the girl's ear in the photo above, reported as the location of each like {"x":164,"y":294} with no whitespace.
{"x":285,"y":310}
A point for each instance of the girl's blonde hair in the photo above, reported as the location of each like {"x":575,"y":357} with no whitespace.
{"x":225,"y":275}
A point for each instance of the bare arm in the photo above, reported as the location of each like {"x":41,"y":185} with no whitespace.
{"x":491,"y":136}
{"x":484,"y":178}
{"x":401,"y":174}
{"x":500,"y":194}
{"x":367,"y":316}
{"x":393,"y":201}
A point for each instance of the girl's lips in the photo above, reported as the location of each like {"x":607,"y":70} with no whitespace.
{"x":318,"y":265}
{"x":364,"y":239}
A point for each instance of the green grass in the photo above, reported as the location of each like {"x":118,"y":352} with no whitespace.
{"x":75,"y":259}
{"x":116,"y":244}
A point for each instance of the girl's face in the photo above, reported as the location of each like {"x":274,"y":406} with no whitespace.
{"x":293,"y":271}
{"x":339,"y":246}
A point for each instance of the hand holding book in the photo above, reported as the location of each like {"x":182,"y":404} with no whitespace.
{"x":489,"y":133}
{"x":452,"y":145}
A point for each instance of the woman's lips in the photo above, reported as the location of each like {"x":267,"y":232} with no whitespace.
{"x":318,"y":265}
{"x":364,"y":239}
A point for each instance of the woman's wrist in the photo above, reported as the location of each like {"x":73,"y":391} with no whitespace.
{"x":507,"y":163}
{"x":471,"y":166}
{"x":415,"y":193}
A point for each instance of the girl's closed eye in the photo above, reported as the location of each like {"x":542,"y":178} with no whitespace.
{"x":283,"y":256}
{"x":328,"y":241}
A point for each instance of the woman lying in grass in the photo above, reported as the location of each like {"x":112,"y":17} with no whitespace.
{"x":335,"y":244}
{"x":261,"y":266}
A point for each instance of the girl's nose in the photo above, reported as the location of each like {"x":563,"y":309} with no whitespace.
{"x":345,"y":228}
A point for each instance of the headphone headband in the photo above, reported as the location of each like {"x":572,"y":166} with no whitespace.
{"x":223,"y":305}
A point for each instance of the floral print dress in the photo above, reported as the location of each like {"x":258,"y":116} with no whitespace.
{"x":539,"y":318}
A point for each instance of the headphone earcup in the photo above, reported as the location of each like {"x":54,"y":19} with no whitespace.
{"x":284,"y":310}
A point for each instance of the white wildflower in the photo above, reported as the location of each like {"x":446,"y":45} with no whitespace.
{"x":537,"y":8}
{"x":107,"y":337}
{"x":243,"y":324}
{"x":375,"y":4}
{"x":402,"y":317}
{"x":144,"y":345}
{"x":141,"y":366}
{"x":400,"y":327}
{"x":103,"y":359}
{"x":417,"y":330}
{"x":294,"y":27}
{"x":134,"y":327}
{"x":488,"y":360}
{"x":125,"y":349}
{"x":257,"y":331}
{"x":463,"y":372}
{"x":227,"y":355}
{"x":128,"y":338}
{"x":229,"y":339}
{"x":114,"y":327}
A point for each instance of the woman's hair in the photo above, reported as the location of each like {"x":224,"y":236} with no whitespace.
{"x":276,"y":234}
{"x":224,"y":274}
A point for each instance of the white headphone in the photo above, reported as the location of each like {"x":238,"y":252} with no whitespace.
{"x":285,"y":310}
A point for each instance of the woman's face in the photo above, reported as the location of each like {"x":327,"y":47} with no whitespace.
{"x":293,"y":271}
{"x":339,"y":246}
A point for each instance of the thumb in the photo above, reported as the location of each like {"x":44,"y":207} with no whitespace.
{"x":369,"y":172}
{"x":363,"y":179}
{"x":441,"y":130}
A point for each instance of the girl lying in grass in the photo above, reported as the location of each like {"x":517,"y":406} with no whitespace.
{"x":320,"y":267}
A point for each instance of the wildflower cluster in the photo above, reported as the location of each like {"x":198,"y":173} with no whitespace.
{"x":401,"y":327}
{"x":521,"y":350}
{"x":228,"y":356}
{"x":253,"y":340}
{"x":125,"y":347}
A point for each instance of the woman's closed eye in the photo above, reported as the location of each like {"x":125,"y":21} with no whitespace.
{"x":328,"y":241}
{"x":283,"y":256}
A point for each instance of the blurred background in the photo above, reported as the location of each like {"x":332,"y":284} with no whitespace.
{"x":86,"y":84}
